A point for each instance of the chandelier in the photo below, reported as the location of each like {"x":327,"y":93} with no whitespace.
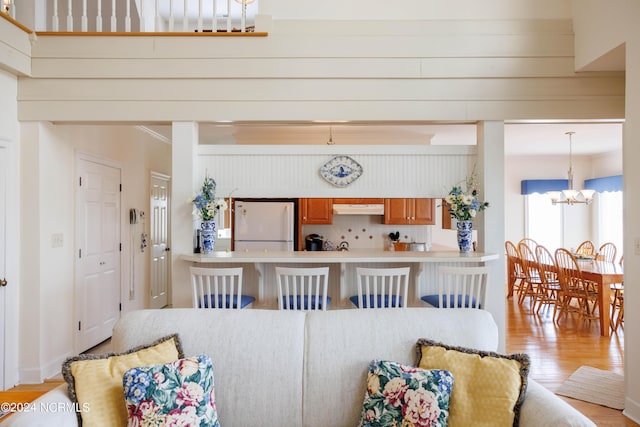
{"x":571,"y":196}
{"x":243,"y":22}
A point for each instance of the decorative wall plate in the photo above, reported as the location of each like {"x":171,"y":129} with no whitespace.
{"x":341,"y":171}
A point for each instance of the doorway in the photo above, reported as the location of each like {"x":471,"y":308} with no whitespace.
{"x":98,"y":246}
{"x":160,"y":265}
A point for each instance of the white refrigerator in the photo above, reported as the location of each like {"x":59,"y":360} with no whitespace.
{"x":263,"y":226}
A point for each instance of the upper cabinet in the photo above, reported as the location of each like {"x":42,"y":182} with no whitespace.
{"x":409,"y":211}
{"x":316,"y":211}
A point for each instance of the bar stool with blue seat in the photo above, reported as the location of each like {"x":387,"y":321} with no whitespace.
{"x":460,"y":287}
{"x":218,"y":288}
{"x":381,"y":287}
{"x":303,"y":288}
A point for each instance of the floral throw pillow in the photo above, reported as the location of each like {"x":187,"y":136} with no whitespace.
{"x":399,"y":395}
{"x":179,"y":393}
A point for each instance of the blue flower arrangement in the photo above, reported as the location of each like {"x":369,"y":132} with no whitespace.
{"x":464,"y":204}
{"x":205,"y":204}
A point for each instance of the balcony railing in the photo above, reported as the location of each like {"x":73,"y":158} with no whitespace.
{"x":117,"y":16}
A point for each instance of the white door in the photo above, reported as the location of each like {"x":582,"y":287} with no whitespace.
{"x":3,"y":283}
{"x":159,"y":236}
{"x":98,"y":251}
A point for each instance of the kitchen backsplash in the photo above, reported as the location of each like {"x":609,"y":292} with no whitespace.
{"x":367,"y":232}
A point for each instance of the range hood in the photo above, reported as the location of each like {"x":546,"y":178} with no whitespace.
{"x":358,"y":209}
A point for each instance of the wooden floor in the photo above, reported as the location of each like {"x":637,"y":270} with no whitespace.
{"x":556,"y":351}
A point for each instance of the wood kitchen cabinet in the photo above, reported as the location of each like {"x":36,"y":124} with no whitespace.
{"x":316,"y":211}
{"x":409,"y":211}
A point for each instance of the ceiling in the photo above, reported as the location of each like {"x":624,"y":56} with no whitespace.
{"x":522,"y":138}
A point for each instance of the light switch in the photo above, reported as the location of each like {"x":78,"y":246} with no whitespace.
{"x":636,"y":245}
{"x":57,"y":240}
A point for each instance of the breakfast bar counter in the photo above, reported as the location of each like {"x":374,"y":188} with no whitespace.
{"x":259,"y":277}
{"x":354,"y":255}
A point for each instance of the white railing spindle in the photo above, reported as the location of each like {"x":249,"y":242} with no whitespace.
{"x":84,"y":23}
{"x":143,"y":17}
{"x":99,"y":17}
{"x":158,"y":22}
{"x":127,"y":18}
{"x":114,"y":20}
{"x":55,"y":21}
{"x":199,"y":25}
{"x":70,"y":15}
{"x":185,"y":17}
{"x":170,"y":16}
{"x":228,"y":16}
{"x":214,"y":17}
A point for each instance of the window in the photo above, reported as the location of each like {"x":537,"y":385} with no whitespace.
{"x":608,"y":220}
{"x":543,"y":221}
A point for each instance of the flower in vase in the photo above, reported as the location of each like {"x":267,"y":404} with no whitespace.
{"x":464,"y":204}
{"x":205,"y":203}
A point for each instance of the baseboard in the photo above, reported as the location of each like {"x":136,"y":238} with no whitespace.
{"x":48,"y":371}
{"x":632,"y":410}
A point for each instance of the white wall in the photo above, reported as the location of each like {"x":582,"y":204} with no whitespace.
{"x":47,"y":321}
{"x":434,"y":9}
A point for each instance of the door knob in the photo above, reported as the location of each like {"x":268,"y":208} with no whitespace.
{"x":3,"y":282}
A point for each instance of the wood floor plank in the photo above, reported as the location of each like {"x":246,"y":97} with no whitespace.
{"x":556,"y":351}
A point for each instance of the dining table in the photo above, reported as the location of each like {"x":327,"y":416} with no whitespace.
{"x":604,"y":274}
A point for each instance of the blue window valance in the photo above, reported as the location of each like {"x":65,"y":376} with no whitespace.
{"x":607,"y":183}
{"x":530,"y":186}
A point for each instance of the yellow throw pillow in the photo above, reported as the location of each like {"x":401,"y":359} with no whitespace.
{"x":488,"y":388}
{"x":95,"y":381}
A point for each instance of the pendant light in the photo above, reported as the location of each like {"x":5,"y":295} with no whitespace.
{"x":571,"y":196}
{"x":243,"y":22}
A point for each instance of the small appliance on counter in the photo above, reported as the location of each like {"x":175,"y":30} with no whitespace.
{"x":313,"y":242}
{"x":417,"y":246}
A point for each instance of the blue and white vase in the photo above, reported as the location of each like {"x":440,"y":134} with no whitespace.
{"x":465,"y":236}
{"x":207,"y":237}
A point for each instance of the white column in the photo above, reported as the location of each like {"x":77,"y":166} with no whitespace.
{"x":631,"y":226}
{"x":491,"y":233}
{"x":184,"y":171}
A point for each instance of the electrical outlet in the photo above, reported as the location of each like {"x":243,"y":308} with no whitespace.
{"x":57,"y":240}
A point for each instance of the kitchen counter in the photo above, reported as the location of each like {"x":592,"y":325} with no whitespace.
{"x":259,"y":269}
{"x":351,"y":256}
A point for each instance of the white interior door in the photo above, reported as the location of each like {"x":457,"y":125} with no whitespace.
{"x":3,"y":283}
{"x":98,"y":278}
{"x":159,"y":237}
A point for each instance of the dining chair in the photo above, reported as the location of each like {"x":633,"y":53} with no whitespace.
{"x":550,"y":289}
{"x":532,"y":286}
{"x":460,"y":287}
{"x":301,"y":288}
{"x":381,"y":287}
{"x":574,"y":288}
{"x":617,"y":303}
{"x":515,"y":273}
{"x":586,"y":248}
{"x":529,"y":242}
{"x":617,"y":307}
{"x":218,"y":288}
{"x":607,"y":252}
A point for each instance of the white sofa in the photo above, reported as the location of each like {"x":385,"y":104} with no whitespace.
{"x":283,"y":368}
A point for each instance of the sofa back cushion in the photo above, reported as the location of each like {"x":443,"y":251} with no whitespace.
{"x":341,"y":344}
{"x":257,"y":357}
